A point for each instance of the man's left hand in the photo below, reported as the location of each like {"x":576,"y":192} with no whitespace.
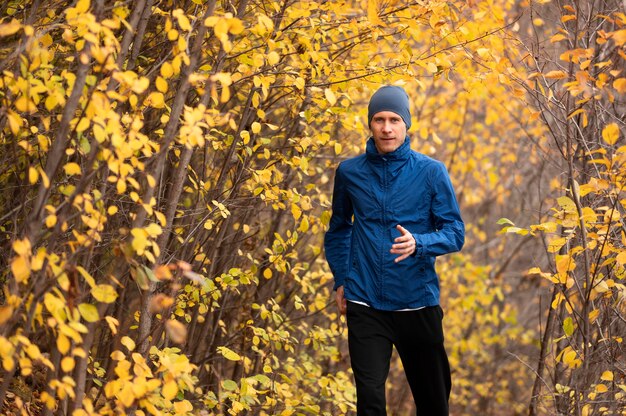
{"x":403,"y":245}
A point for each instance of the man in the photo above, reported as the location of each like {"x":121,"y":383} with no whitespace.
{"x":394,"y":211}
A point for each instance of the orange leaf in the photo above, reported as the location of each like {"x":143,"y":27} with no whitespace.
{"x":620,"y":85}
{"x":558,"y":37}
{"x":556,"y":75}
{"x":568,"y":17}
{"x":610,"y":133}
{"x":619,"y":37}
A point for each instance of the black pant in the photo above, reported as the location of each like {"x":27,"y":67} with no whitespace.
{"x":418,"y":338}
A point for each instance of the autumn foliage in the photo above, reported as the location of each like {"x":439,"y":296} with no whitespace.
{"x":166,"y":170}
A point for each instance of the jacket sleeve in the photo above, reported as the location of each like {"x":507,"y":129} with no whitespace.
{"x":450,"y":229}
{"x":338,"y":238}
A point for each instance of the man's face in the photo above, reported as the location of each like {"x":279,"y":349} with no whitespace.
{"x":388,"y":130}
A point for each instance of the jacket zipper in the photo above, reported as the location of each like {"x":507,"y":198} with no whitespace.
{"x":383,"y":236}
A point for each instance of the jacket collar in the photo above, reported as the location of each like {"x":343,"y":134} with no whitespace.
{"x":401,"y":153}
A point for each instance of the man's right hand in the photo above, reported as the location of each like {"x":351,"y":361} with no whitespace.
{"x":341,"y":300}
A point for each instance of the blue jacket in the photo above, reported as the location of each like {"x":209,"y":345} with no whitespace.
{"x":372,"y":194}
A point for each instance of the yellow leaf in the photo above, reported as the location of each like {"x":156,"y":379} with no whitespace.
{"x":88,"y":278}
{"x":154,"y":230}
{"x":610,"y":133}
{"x":330,"y":96}
{"x":140,"y":85}
{"x":556,"y":244}
{"x":566,"y":203}
{"x":256,"y":127}
{"x":211,"y":21}
{"x":575,"y":113}
{"x":564,"y":263}
{"x":23,"y":104}
{"x":82,"y":125}
{"x":304,"y":225}
{"x":296,"y":211}
{"x":245,"y":135}
{"x":5,"y":314}
{"x":88,"y":312}
{"x":235,"y":26}
{"x":139,"y":388}
{"x":482,"y":52}
{"x":569,"y":358}
{"x":44,"y":178}
{"x":183,"y":407}
{"x":170,"y":390}
{"x":607,"y":376}
{"x":33,"y":351}
{"x":620,"y":85}
{"x":8,"y":29}
{"x":140,"y":240}
{"x":71,"y":168}
{"x":126,"y":395}
{"x":20,"y":269}
{"x":22,"y":247}
{"x":267,"y":273}
{"x":67,"y":364}
{"x":167,"y":70}
{"x":128,"y":343}
{"x":82,"y":6}
{"x":221,"y":31}
{"x":120,"y":186}
{"x":372,"y":12}
{"x":113,"y":324}
{"x":589,"y":215}
{"x":265,"y":24}
{"x":621,"y":258}
{"x":229,"y":354}
{"x":183,"y":21}
{"x":156,"y":100}
{"x":104,"y":293}
{"x":273,"y":58}
{"x":63,"y":344}
{"x":258,"y":60}
{"x":161,"y":84}
{"x":176,"y":331}
{"x":79,"y":352}
{"x":338,"y":148}
{"x":601,"y":388}
{"x":15,"y":121}
{"x":33,"y":175}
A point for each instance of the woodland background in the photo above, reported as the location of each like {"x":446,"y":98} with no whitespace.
{"x":165,"y":174}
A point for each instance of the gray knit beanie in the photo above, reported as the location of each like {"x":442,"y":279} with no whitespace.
{"x":390,"y":98}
